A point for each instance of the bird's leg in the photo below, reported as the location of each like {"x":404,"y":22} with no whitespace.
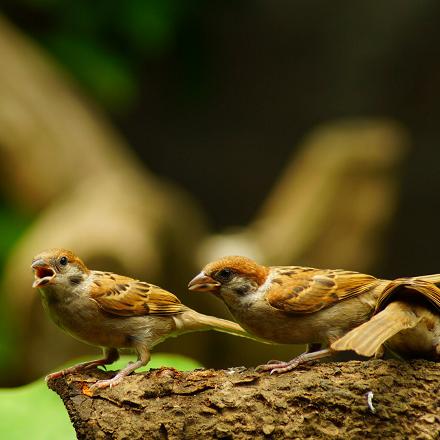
{"x":143,"y":359}
{"x":110,"y":355}
{"x":282,"y":367}
{"x":311,"y":348}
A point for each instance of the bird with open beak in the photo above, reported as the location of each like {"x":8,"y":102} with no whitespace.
{"x":113,"y":311}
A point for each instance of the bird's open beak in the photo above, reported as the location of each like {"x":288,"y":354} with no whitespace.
{"x":44,"y":274}
{"x":203,"y":283}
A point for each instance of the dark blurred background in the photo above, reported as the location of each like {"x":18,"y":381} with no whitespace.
{"x":210,"y":105}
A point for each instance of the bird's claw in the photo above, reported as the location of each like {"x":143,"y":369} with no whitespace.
{"x":106,"y":383}
{"x":74,"y":369}
{"x":284,"y":367}
{"x":278,"y":367}
{"x":271,"y":365}
{"x":62,"y":373}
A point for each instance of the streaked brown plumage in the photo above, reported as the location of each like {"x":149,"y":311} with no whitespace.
{"x":293,"y":304}
{"x":113,"y":311}
{"x":406,"y":320}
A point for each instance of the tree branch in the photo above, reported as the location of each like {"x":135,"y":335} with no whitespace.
{"x":327,"y":400}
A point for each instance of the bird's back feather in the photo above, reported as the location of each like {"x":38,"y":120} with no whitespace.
{"x":298,"y":289}
{"x":124,"y":296}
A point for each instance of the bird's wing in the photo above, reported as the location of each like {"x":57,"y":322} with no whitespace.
{"x":124,"y":296}
{"x":306,"y":290}
{"x":424,"y":286}
{"x":368,"y":338}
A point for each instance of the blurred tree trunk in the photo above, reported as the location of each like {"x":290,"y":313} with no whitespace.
{"x":323,"y":401}
{"x":332,"y":203}
{"x":61,"y":159}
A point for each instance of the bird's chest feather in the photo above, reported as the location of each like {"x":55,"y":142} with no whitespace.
{"x":79,"y":316}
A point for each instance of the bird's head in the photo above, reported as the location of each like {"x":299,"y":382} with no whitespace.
{"x":58,"y":267}
{"x":230,"y":276}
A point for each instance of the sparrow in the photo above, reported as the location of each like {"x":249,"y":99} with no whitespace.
{"x":113,"y":311}
{"x":292,"y":304}
{"x":406,"y":321}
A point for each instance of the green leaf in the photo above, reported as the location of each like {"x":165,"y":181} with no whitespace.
{"x":34,"y":412}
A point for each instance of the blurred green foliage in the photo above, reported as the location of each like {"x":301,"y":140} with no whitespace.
{"x":105,"y":43}
{"x":13,"y":222}
{"x":34,"y":412}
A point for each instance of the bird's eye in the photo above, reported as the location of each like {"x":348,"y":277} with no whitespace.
{"x":225,"y":274}
{"x":63,"y":260}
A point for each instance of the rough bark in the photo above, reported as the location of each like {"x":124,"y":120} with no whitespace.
{"x":320,"y":401}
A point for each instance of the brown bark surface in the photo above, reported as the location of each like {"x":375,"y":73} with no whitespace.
{"x":320,"y":401}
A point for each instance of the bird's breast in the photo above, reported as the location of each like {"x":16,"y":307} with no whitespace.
{"x":82,"y":318}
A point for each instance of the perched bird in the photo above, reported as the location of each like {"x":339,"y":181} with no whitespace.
{"x":113,"y":311}
{"x":292,"y":304}
{"x":406,"y":320}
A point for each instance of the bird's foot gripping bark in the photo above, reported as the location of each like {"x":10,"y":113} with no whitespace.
{"x":279,"y":367}
{"x":144,"y":357}
{"x":107,"y":383}
{"x":111,"y":355}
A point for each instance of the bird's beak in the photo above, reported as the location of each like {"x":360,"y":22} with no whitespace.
{"x":203,"y":283}
{"x":44,"y":274}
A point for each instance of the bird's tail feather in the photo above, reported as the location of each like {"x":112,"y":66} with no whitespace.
{"x":369,"y":337}
{"x":195,"y":321}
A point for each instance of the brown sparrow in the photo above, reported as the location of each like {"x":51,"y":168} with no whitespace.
{"x":406,"y":320}
{"x":291,"y":304}
{"x":113,"y":311}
